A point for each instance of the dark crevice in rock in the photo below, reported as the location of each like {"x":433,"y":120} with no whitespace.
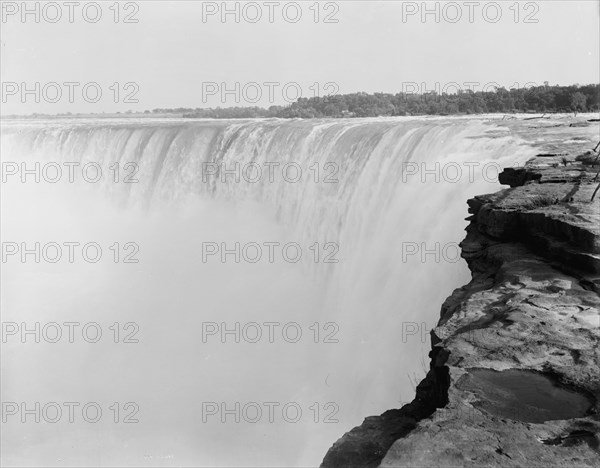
{"x":574,"y":438}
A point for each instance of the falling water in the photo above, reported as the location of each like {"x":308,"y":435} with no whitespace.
{"x":358,"y":191}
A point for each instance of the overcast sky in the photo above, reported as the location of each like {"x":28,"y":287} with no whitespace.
{"x":174,"y":55}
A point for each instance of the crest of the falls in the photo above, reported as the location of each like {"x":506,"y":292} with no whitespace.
{"x":365,"y":184}
{"x":375,"y":187}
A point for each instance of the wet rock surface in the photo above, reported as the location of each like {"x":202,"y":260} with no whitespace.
{"x":524,"y":396}
{"x":514,"y":377}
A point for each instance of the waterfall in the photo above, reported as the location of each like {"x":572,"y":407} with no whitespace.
{"x":372,"y":190}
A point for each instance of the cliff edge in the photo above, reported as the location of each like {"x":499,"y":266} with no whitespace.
{"x":514,"y":376}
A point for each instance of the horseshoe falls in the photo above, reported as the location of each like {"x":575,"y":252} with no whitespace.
{"x":287,"y":275}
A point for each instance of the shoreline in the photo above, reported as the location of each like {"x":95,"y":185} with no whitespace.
{"x":528,"y":319}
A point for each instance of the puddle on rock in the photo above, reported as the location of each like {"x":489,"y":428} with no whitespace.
{"x":523,"y":396}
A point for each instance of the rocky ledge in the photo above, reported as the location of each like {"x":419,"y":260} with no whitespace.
{"x":514,"y":376}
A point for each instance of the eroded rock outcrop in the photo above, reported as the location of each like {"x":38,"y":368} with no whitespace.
{"x":514,"y":377}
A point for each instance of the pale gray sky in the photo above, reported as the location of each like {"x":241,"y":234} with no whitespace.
{"x":171,"y":51}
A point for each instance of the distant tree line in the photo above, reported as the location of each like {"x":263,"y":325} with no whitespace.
{"x":537,"y":99}
{"x":540,"y":99}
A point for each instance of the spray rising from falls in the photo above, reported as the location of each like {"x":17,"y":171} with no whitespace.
{"x":382,"y":198}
